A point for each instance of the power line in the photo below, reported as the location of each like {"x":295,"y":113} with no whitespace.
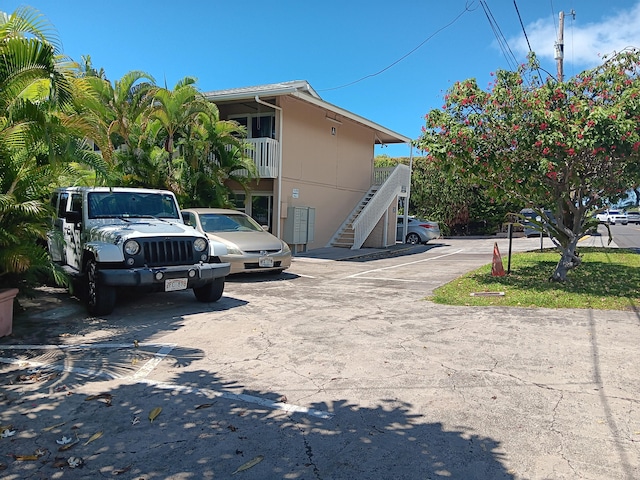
{"x":502,"y":41}
{"x":538,"y":68}
{"x":522,"y":26}
{"x":467,"y":8}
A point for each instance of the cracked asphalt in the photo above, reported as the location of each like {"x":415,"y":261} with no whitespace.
{"x":336,"y":369}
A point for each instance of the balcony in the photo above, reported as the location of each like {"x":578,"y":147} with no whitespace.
{"x":265,"y":153}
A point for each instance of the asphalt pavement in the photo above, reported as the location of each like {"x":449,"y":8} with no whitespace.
{"x":336,"y":369}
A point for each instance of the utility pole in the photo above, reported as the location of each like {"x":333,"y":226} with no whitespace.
{"x":560,"y":48}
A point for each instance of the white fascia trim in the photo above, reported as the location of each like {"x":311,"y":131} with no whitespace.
{"x":249,"y":94}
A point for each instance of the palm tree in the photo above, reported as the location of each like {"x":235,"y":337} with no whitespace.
{"x":173,"y":116}
{"x":226,"y":160}
{"x":39,"y":132}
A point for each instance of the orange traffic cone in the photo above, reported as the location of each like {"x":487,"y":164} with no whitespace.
{"x":497,"y":270}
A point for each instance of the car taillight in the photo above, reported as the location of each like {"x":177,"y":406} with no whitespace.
{"x":424,"y":225}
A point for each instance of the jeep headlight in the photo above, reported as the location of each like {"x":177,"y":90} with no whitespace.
{"x":200,"y":244}
{"x":131,"y":247}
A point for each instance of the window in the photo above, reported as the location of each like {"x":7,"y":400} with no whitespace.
{"x":62,"y":203}
{"x":258,"y":126}
{"x":76,"y":202}
{"x":262,"y":208}
{"x":239,"y":200}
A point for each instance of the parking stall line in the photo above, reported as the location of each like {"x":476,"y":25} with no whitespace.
{"x":140,"y":375}
{"x":60,"y":368}
{"x":164,"y":350}
{"x":148,"y":367}
{"x":394,"y":279}
{"x":285,"y":407}
{"x":404,"y":264}
{"x":83,"y":346}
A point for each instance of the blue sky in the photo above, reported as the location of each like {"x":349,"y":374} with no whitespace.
{"x":390,"y":62}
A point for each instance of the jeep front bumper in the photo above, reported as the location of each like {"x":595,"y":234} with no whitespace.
{"x":197,"y":275}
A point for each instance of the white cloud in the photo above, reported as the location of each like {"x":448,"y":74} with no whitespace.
{"x":584,"y":45}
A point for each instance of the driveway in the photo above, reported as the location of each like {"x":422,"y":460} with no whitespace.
{"x":336,"y":369}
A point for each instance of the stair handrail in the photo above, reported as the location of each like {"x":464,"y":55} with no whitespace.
{"x":394,"y":185}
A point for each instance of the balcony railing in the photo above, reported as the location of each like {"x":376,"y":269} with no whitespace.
{"x":265,"y":153}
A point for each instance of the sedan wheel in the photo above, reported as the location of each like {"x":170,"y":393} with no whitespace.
{"x":413,"y":238}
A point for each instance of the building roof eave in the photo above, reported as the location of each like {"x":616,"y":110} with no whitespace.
{"x":302,"y":90}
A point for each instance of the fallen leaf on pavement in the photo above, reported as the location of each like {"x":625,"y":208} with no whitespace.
{"x":48,"y":429}
{"x":95,"y":436}
{"x":7,"y":433}
{"x":204,"y":405}
{"x":74,"y":462}
{"x":251,"y":463}
{"x":120,"y":471}
{"x":154,"y":413}
{"x":106,"y":396}
{"x":68,"y":446}
{"x":25,"y":458}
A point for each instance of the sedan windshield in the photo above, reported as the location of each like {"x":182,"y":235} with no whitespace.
{"x":228,"y":222}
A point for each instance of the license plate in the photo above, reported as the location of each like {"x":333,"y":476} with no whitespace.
{"x":265,"y":262}
{"x":174,"y":284}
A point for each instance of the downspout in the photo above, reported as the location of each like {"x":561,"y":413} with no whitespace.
{"x":279,"y":179}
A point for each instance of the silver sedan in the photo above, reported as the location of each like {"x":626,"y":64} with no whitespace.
{"x":249,"y":247}
{"x":418,"y":231}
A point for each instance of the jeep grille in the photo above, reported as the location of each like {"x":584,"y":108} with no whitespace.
{"x":168,"y":252}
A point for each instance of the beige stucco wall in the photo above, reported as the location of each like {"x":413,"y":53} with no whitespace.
{"x":377,"y":237}
{"x":331,"y":172}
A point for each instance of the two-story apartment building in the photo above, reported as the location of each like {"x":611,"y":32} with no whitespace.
{"x":317,"y":184}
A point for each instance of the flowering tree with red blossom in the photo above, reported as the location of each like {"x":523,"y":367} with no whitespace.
{"x":570,"y":147}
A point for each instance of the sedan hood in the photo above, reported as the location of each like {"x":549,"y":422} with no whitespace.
{"x":249,"y":241}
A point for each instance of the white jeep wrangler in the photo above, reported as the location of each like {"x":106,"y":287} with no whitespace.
{"x":114,"y":237}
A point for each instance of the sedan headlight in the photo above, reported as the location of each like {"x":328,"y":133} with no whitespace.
{"x":200,"y":244}
{"x":131,"y":247}
{"x":285,"y":248}
{"x":233,"y":250}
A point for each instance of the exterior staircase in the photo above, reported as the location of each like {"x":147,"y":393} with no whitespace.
{"x":345,"y":235}
{"x":388,"y":185}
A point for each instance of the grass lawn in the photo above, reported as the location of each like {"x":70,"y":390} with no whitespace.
{"x":607,"y":279}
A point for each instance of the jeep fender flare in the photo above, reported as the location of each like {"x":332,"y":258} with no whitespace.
{"x":104,"y":252}
{"x":217,"y":248}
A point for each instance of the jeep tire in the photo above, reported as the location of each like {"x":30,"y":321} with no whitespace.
{"x":211,"y":292}
{"x":101,"y":299}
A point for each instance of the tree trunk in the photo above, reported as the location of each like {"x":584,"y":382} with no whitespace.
{"x":568,"y":260}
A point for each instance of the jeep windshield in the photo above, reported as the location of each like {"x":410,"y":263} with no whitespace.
{"x":131,"y":205}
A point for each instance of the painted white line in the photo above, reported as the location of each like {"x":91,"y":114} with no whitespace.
{"x":311,"y":259}
{"x":305,"y":276}
{"x":286,"y":407}
{"x":83,"y":346}
{"x":61,"y":368}
{"x":145,"y":370}
{"x":141,"y":374}
{"x":396,"y":280}
{"x":405,"y":264}
{"x":153,"y":363}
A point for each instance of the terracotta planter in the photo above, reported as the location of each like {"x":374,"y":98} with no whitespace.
{"x":6,"y":310}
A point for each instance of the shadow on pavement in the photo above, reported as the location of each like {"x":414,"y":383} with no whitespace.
{"x":200,"y":434}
